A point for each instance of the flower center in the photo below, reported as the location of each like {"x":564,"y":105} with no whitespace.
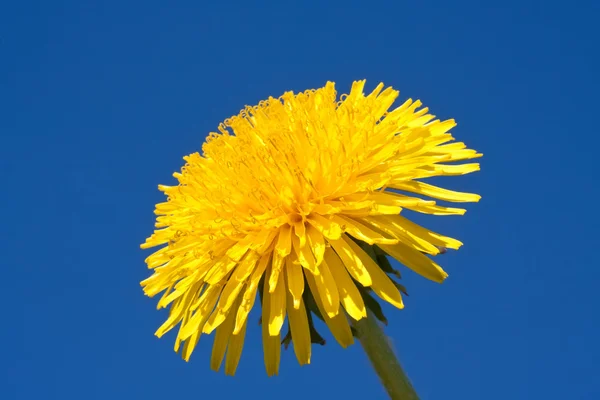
{"x":295,"y":218}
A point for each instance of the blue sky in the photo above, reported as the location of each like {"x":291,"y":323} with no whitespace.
{"x":100,"y":100}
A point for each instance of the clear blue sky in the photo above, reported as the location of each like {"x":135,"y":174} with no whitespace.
{"x":99,"y":100}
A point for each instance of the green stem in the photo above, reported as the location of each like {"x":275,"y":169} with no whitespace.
{"x":385,"y":363}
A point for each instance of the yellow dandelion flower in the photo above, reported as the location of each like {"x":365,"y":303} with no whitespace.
{"x":298,"y":201}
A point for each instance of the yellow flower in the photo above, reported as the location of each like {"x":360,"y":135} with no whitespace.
{"x":287,"y":198}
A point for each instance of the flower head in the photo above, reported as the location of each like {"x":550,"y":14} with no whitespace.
{"x":300,"y":200}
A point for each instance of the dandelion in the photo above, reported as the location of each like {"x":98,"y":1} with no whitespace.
{"x":298,"y":201}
